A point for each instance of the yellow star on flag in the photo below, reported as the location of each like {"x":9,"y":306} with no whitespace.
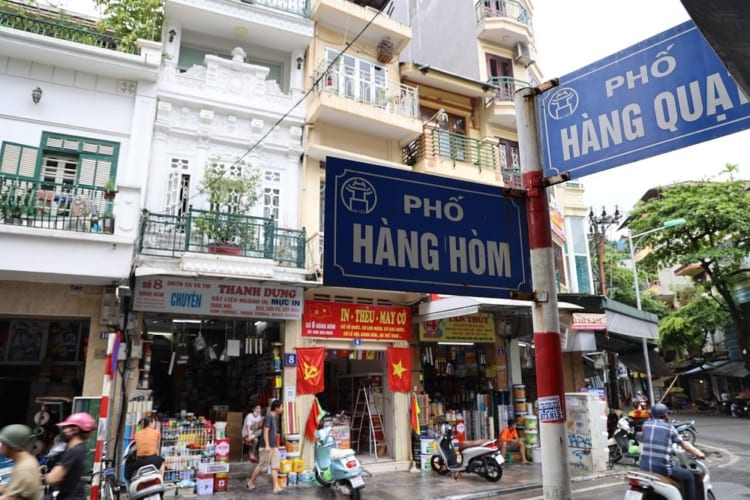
{"x":398,"y":369}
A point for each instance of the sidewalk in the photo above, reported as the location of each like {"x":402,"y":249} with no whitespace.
{"x":400,"y":485}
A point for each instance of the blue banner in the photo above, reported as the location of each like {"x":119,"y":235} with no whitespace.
{"x":392,"y":229}
{"x":662,"y":94}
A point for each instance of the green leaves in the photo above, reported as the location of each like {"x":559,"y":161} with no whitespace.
{"x":132,"y":19}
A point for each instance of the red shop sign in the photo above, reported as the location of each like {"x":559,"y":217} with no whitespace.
{"x":355,"y":321}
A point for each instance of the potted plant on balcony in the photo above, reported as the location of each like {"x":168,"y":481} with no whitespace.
{"x":110,"y":190}
{"x":16,"y":203}
{"x":231,"y":189}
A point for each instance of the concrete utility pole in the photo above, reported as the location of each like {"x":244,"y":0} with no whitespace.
{"x":598,"y":226}
{"x":546,"y":320}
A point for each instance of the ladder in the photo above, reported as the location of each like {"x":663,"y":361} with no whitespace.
{"x":367,"y":418}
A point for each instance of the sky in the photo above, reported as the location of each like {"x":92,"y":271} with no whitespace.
{"x":573,"y":33}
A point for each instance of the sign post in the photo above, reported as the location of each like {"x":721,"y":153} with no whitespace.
{"x":546,"y":322}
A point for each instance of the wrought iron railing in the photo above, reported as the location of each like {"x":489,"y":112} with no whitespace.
{"x":505,"y":87}
{"x":511,"y":9}
{"x":456,"y":147}
{"x":201,"y":231}
{"x":60,"y":30}
{"x":299,"y":7}
{"x":346,"y":81}
{"x":50,"y":205}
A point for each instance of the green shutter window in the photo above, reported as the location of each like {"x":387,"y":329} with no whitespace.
{"x":94,"y":171}
{"x":18,"y":160}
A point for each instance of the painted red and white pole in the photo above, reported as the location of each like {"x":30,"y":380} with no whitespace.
{"x":113,"y":342}
{"x":546,"y":320}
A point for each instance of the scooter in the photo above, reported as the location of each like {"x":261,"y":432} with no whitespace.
{"x":337,"y":468}
{"x":655,"y":486}
{"x":623,"y":442}
{"x":146,"y":482}
{"x":686,"y":430}
{"x":480,"y":457}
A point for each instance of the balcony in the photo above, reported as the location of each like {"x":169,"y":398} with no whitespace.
{"x":49,"y":205}
{"x":258,"y":238}
{"x":443,"y":150}
{"x":502,"y":109}
{"x":503,"y":22}
{"x":345,"y":16}
{"x":355,"y":101}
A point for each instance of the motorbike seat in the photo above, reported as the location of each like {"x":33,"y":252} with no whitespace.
{"x":468,"y":444}
{"x":339,"y":453}
{"x":664,"y":479}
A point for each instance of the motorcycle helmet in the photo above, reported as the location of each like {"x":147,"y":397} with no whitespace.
{"x":659,"y":410}
{"x":16,"y":436}
{"x":82,"y":420}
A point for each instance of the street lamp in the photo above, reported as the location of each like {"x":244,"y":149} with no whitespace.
{"x":666,"y":225}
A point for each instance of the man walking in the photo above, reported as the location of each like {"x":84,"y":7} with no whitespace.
{"x":25,"y":479}
{"x":269,"y":452}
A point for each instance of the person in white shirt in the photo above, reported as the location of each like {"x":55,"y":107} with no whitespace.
{"x":251,"y":430}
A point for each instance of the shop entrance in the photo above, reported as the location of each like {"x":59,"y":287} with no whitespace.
{"x":197,"y":366}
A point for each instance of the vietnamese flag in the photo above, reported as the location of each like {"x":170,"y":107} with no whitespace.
{"x":398,"y":360}
{"x":310,"y":362}
{"x":313,"y":419}
{"x":415,"y":414}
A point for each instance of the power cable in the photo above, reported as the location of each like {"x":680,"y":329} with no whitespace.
{"x":299,"y":101}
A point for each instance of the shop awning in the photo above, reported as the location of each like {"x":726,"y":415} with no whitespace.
{"x":450,"y":307}
{"x":630,"y":326}
{"x":636,"y":361}
{"x":730,"y":369}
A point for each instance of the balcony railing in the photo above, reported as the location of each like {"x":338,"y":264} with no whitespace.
{"x":243,"y":236}
{"x":64,"y":31}
{"x":456,"y":147}
{"x":361,"y":86}
{"x":506,"y":86}
{"x":49,"y":205}
{"x":299,"y":7}
{"x":502,"y":8}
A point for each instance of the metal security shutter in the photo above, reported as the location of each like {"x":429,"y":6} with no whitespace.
{"x":18,"y":160}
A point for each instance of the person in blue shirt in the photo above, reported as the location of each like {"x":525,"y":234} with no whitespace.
{"x":656,"y":449}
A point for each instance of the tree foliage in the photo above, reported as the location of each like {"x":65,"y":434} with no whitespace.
{"x":714,"y":239}
{"x":132,"y":19}
{"x":689,"y":326}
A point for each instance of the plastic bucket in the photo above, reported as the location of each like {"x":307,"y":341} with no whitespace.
{"x":285,"y":466}
{"x":530,"y":423}
{"x":282,"y":452}
{"x":532,"y":438}
{"x":282,"y":481}
{"x":519,"y":406}
{"x":292,"y":443}
{"x":292,"y":478}
{"x":519,"y":391}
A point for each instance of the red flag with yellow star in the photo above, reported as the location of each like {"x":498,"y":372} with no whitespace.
{"x":310,"y":362}
{"x":399,"y":368}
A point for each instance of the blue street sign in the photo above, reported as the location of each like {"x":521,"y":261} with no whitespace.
{"x":665,"y":93}
{"x":290,"y":359}
{"x":394,"y":229}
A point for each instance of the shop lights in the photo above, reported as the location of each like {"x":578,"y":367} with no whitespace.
{"x":455,"y":343}
{"x":194,"y":321}
{"x":525,"y":344}
{"x":161,"y":334}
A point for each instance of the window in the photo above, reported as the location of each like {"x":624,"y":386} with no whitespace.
{"x":451,"y":134}
{"x":271,"y":194}
{"x":29,"y":341}
{"x":500,"y":70}
{"x":178,"y":187}
{"x":357,"y":78}
{"x":58,"y":169}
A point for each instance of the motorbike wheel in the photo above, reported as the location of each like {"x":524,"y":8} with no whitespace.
{"x":688,"y":435}
{"x":493,"y":472}
{"x":356,"y":494}
{"x":323,"y":482}
{"x":711,"y":495}
{"x":437,"y":465}
{"x":615,"y":454}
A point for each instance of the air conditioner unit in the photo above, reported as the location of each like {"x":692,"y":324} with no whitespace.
{"x":523,"y":54}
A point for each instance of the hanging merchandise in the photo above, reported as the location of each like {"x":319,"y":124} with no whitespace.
{"x":200,"y":342}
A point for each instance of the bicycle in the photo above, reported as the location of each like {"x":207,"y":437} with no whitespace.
{"x":109,"y":486}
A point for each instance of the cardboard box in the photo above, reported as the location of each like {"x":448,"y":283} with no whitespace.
{"x":234,"y":434}
{"x":204,"y":484}
{"x":213,"y":467}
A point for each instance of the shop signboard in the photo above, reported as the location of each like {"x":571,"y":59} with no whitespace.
{"x":222,"y":298}
{"x":393,"y":229}
{"x":589,"y":321}
{"x":478,"y":327}
{"x":667,"y":92}
{"x":355,"y":321}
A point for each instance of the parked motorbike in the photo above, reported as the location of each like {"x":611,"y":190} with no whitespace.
{"x":740,"y":408}
{"x":479,"y":457}
{"x":336,"y":468}
{"x":643,"y":485}
{"x":146,"y":482}
{"x":686,"y":430}
{"x":623,"y":442}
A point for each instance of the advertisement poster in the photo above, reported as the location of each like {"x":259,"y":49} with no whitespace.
{"x":234,"y":299}
{"x":478,"y":327}
{"x":355,"y":321}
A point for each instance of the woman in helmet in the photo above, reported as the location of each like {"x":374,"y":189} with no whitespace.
{"x":24,"y":478}
{"x":69,"y":468}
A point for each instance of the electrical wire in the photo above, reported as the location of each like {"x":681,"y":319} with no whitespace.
{"x":294,"y":106}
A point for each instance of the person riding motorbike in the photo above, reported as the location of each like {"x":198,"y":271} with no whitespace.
{"x":24,"y":479}
{"x":69,"y":468}
{"x":656,"y":449}
{"x":147,"y":446}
